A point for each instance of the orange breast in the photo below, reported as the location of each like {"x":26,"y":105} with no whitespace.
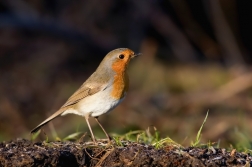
{"x":121,"y":80}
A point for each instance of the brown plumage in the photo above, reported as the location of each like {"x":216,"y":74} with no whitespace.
{"x":101,"y":92}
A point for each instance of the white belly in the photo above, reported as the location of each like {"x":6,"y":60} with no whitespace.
{"x":94,"y":105}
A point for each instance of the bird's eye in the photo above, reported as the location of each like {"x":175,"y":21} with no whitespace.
{"x":121,"y":56}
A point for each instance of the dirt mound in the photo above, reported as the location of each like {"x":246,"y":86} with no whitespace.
{"x":22,"y":152}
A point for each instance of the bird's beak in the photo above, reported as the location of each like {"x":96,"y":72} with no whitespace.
{"x":136,"y":55}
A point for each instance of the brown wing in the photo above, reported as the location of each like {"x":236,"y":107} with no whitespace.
{"x":81,"y":93}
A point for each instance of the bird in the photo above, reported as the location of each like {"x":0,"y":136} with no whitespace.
{"x":101,"y":92}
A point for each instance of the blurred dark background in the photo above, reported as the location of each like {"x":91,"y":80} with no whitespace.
{"x":196,"y":57}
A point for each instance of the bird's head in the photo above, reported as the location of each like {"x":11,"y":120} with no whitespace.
{"x":118,"y":59}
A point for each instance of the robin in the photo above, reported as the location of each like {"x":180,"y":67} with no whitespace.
{"x":101,"y":92}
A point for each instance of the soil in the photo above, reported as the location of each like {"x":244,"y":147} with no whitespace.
{"x":22,"y":152}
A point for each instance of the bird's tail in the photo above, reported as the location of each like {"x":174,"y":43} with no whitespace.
{"x":56,"y":114}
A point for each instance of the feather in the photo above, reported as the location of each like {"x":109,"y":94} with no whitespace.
{"x":80,"y":94}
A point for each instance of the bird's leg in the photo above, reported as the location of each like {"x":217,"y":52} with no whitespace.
{"x":92,"y":135}
{"x":109,"y":138}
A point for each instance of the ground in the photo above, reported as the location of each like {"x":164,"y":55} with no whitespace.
{"x":22,"y":152}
